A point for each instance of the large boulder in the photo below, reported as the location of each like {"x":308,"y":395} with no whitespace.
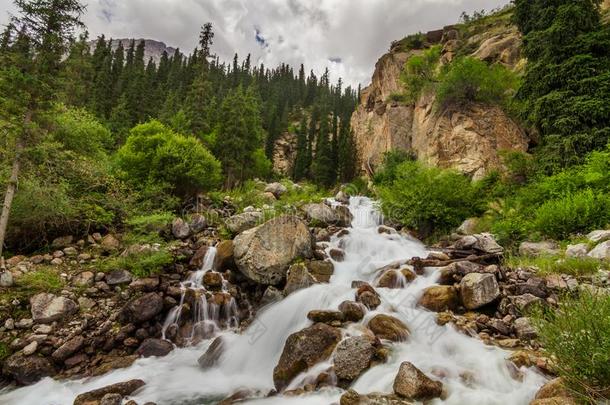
{"x":212,"y":354}
{"x":388,"y":327}
{"x":483,"y":242}
{"x":155,"y":347}
{"x":353,"y":356}
{"x":263,"y":254}
{"x":599,"y":236}
{"x":180,"y":229}
{"x":577,"y":251}
{"x":478,"y":290}
{"x":601,"y":251}
{"x":321,"y":213}
{"x":26,"y":370}
{"x":224,"y":255}
{"x":123,"y":388}
{"x":304,"y":349}
{"x":440,"y":298}
{"x":411,"y":383}
{"x":47,"y":308}
{"x":297,"y":278}
{"x":244,"y":221}
{"x":142,"y":309}
{"x":277,"y":189}
{"x":537,"y":249}
{"x":456,"y":271}
{"x":351,"y":397}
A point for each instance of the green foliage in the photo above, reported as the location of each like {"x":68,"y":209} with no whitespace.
{"x":80,"y":132}
{"x":5,"y":351}
{"x":419,"y":72}
{"x":156,"y":155}
{"x":143,"y":264}
{"x":387,"y":173}
{"x":468,"y":80}
{"x":577,"y":335}
{"x":147,"y":228}
{"x":429,"y":200}
{"x":413,"y":41}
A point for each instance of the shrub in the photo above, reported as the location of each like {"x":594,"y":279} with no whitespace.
{"x":147,"y":228}
{"x":419,"y":72}
{"x":154,"y":154}
{"x":413,"y":41}
{"x":577,"y":335}
{"x":467,"y":80}
{"x":429,"y":199}
{"x":391,"y":160}
{"x":79,"y":131}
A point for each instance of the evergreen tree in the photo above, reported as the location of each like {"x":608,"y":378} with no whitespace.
{"x":302,"y":158}
{"x":322,"y":168}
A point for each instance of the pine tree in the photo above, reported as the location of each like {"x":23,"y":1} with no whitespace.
{"x":322,"y":168}
{"x":77,"y":73}
{"x":302,"y":158}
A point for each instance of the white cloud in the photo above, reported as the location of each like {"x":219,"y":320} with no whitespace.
{"x":347,"y":36}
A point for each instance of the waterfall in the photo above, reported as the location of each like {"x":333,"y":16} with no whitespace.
{"x":472,"y":372}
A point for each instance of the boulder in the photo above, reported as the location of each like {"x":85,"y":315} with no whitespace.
{"x":369,"y":299}
{"x":524,"y":329}
{"x":270,"y":296}
{"x":322,"y":270}
{"x":123,"y":388}
{"x":244,"y":221}
{"x":483,"y":242}
{"x":6,"y":279}
{"x":352,"y":311}
{"x":321,"y":214}
{"x":351,"y":397}
{"x":468,"y":227}
{"x":304,"y":349}
{"x":224,"y":256}
{"x":456,"y":271}
{"x":552,"y":389}
{"x":277,"y":189}
{"x":27,"y":370}
{"x":155,"y":347}
{"x":388,"y":327}
{"x":212,"y":354}
{"x":411,"y":383}
{"x":118,"y":277}
{"x":396,"y":278}
{"x":199,"y":256}
{"x":342,"y":197}
{"x":111,"y":399}
{"x":297,"y":278}
{"x":198,"y":223}
{"x":212,"y":280}
{"x":47,"y":308}
{"x":537,"y":249}
{"x":62,"y":242}
{"x":440,"y":298}
{"x":601,"y":251}
{"x":577,"y":251}
{"x":263,"y":254}
{"x":180,"y":229}
{"x":352,"y":356}
{"x":69,"y":348}
{"x":110,"y":243}
{"x":142,"y":309}
{"x":478,"y":290}
{"x":599,"y":236}
{"x":325,"y":316}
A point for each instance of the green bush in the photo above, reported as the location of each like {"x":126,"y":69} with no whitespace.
{"x":577,"y":335}
{"x":467,"y":80}
{"x":79,"y":131}
{"x":147,"y":228}
{"x":427,"y":199}
{"x":413,"y":41}
{"x":387,"y":172}
{"x":156,"y":155}
{"x":419,"y":72}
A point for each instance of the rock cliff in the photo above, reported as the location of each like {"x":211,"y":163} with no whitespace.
{"x":465,"y":138}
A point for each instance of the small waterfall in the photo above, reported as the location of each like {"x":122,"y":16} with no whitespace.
{"x":201,"y":314}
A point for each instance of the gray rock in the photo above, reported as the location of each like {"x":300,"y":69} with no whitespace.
{"x":271,"y":295}
{"x":70,"y":251}
{"x":263,"y":254}
{"x":352,"y":356}
{"x":84,"y":279}
{"x":30,"y":348}
{"x":6,"y":279}
{"x":599,"y":236}
{"x":524,"y":329}
{"x":342,"y":197}
{"x":351,"y":397}
{"x":180,"y":229}
{"x":478,"y":290}
{"x":483,"y":242}
{"x":124,"y":389}
{"x":577,"y":251}
{"x":155,"y":347}
{"x":537,"y":249}
{"x":69,"y":348}
{"x":47,"y":308}
{"x":142,"y":309}
{"x":277,"y":189}
{"x":321,"y":213}
{"x":110,"y":243}
{"x":411,"y":383}
{"x":62,"y":242}
{"x":118,"y":277}
{"x":297,"y":278}
{"x":27,"y":370}
{"x":212,"y":354}
{"x":198,"y":223}
{"x":244,"y":221}
{"x":601,"y":251}
{"x":468,"y":227}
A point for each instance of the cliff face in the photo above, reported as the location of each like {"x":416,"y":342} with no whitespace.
{"x":152,"y":49}
{"x":466,"y":138}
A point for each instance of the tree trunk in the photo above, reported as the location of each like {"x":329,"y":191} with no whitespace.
{"x":13,"y":182}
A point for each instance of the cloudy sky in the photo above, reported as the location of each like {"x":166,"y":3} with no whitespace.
{"x":348,"y":36}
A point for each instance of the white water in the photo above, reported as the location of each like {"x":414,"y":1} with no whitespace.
{"x":472,"y":372}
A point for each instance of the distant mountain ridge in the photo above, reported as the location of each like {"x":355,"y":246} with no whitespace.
{"x":152,"y":49}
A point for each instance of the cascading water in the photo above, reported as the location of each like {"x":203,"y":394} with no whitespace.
{"x":472,"y":372}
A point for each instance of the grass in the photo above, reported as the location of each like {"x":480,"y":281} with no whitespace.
{"x":559,"y":264}
{"x":43,"y":280}
{"x":577,"y":336}
{"x":140,"y":264}
{"x":147,"y":228}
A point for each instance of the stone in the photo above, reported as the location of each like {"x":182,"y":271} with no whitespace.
{"x":109,"y":243}
{"x":30,"y":348}
{"x":412,"y":383}
{"x":62,"y":242}
{"x":468,"y":227}
{"x":155,"y":347}
{"x":71,"y":251}
{"x":396,"y":278}
{"x":304,"y":349}
{"x":297,"y":278}
{"x":57,"y":262}
{"x":86,"y":304}
{"x":9,"y":324}
{"x":555,"y":401}
{"x":6,"y":279}
{"x":524,"y":302}
{"x":456,"y":271}
{"x":68,"y":349}
{"x":554,"y":388}
{"x":212,"y":280}
{"x":123,"y":388}
{"x":352,"y":311}
{"x":478,"y":290}
{"x":84,"y":279}
{"x":118,"y":277}
{"x":369,"y":299}
{"x":483,"y":242}
{"x":321,"y":214}
{"x":337,"y":255}
{"x":244,"y":221}
{"x":538,"y":249}
{"x":601,"y":251}
{"x":277,"y":189}
{"x":47,"y":308}
{"x":224,"y":258}
{"x":264,"y":254}
{"x":389,"y":328}
{"x":25,"y":323}
{"x":440,"y":298}
{"x":198,"y":223}
{"x":270,"y":296}
{"x":212,"y":354}
{"x":180,"y":229}
{"x":351,"y":397}
{"x":147,"y":284}
{"x":322,"y":270}
{"x":577,"y":251}
{"x":142,"y":309}
{"x":353,"y":356}
{"x":599,"y":236}
{"x":27,"y":370}
{"x":524,"y":329}
{"x":111,"y":399}
{"x":342,"y":197}
{"x":199,"y":257}
{"x":325,"y":316}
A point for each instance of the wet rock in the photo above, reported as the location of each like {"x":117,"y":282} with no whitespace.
{"x":224,"y":256}
{"x":180,"y":229}
{"x":342,"y":197}
{"x":212,"y":354}
{"x":537,"y":249}
{"x":142,"y":309}
{"x":304,"y":349}
{"x":484,"y":243}
{"x":440,"y":298}
{"x":577,"y":251}
{"x":344,"y":216}
{"x":396,"y":278}
{"x":524,"y":329}
{"x":212,"y":280}
{"x":351,"y":397}
{"x":478,"y":290}
{"x":389,"y":328}
{"x":352,"y":356}
{"x":199,"y":257}
{"x":118,"y":277}
{"x":337,"y":255}
{"x":599,"y":236}
{"x":277,"y":189}
{"x":263,"y":254}
{"x":411,"y":383}
{"x":352,"y":311}
{"x":124,"y":389}
{"x":322,"y":270}
{"x":155,"y":347}
{"x":601,"y":251}
{"x":27,"y":370}
{"x":552,"y":389}
{"x":68,"y":349}
{"x":325,"y":316}
{"x":271,"y":296}
{"x":369,"y":299}
{"x":297,"y":278}
{"x":47,"y":308}
{"x":242,"y":222}
{"x":111,"y":399}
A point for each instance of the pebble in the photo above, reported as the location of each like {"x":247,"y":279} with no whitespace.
{"x":30,"y":348}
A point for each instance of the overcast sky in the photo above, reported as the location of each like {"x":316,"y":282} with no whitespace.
{"x":348,"y":36}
